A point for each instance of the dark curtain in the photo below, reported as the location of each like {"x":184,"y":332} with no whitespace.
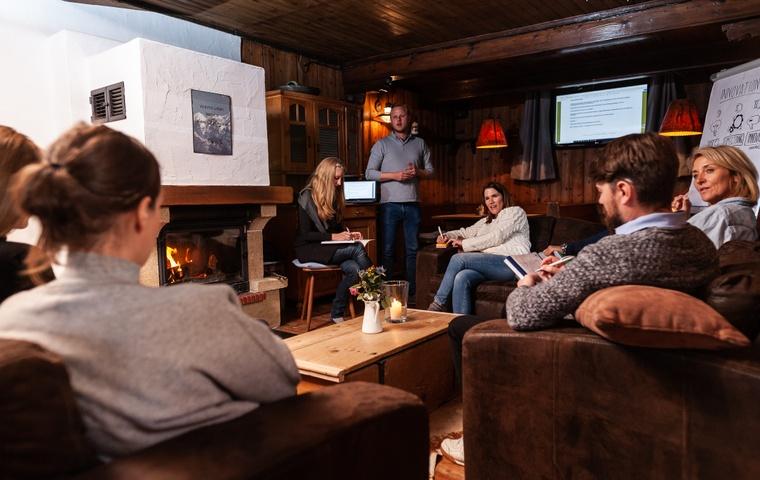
{"x":536,"y":162}
{"x":662,"y":91}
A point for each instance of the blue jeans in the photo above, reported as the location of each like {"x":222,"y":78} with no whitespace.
{"x":464,"y":273}
{"x":351,"y":259}
{"x":391,"y":214}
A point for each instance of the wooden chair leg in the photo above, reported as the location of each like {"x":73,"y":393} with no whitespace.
{"x":305,"y":296}
{"x":351,"y":307}
{"x":311,"y":302}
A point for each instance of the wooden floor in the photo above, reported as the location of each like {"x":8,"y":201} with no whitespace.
{"x":444,"y":421}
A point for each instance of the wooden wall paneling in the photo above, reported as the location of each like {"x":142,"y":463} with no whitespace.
{"x":281,"y":66}
{"x":589,"y":188}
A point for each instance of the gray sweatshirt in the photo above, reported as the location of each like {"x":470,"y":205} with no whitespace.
{"x":390,"y":154}
{"x":679,"y":259}
{"x":147,"y":364}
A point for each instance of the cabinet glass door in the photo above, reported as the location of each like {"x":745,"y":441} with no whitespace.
{"x":297,"y":154}
{"x":329,"y":121}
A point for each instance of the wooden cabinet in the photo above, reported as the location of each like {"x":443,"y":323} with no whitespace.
{"x":363,"y":218}
{"x":303,"y":129}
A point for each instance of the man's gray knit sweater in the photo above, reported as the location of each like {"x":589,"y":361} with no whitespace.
{"x":679,"y":259}
{"x":146,"y":363}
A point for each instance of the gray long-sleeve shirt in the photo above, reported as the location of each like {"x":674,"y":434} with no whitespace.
{"x":390,"y":154}
{"x":147,"y":364}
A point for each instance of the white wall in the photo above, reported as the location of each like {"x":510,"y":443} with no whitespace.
{"x":33,"y":58}
{"x":44,"y":67}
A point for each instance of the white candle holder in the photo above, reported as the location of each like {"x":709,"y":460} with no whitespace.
{"x":396,"y":294}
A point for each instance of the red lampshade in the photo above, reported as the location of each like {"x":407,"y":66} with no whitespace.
{"x":681,"y":119}
{"x":491,"y":135}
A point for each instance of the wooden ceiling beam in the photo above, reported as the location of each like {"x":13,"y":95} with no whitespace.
{"x":593,"y":33}
{"x":563,"y":73}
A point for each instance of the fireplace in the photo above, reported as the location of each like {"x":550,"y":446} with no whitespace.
{"x":213,"y":234}
{"x":205,"y":245}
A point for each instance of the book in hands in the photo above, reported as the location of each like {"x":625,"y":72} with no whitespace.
{"x":522,"y":265}
{"x":364,"y":242}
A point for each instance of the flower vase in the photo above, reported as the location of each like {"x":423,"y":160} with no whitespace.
{"x":371,"y":321}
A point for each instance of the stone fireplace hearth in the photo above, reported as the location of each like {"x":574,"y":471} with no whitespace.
{"x":262,"y":300}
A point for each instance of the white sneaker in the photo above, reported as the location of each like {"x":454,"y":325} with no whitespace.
{"x":453,"y":449}
{"x":338,"y":320}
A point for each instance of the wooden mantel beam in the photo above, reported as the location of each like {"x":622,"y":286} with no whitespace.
{"x":626,"y":25}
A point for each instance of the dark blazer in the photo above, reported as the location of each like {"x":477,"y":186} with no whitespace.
{"x":312,"y":231}
{"x":12,"y":255}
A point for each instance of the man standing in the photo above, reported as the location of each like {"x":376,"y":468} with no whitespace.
{"x":398,"y":161}
{"x":635,"y":178}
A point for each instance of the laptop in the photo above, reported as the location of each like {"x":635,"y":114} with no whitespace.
{"x":360,"y":191}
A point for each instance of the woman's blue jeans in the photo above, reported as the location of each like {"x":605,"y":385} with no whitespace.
{"x":464,"y":273}
{"x":351,"y":259}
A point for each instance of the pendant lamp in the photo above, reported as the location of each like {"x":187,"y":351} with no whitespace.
{"x":491,"y":135}
{"x":681,"y":119}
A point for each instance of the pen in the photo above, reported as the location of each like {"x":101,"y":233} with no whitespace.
{"x":349,"y":233}
{"x":439,"y":231}
{"x":562,"y":260}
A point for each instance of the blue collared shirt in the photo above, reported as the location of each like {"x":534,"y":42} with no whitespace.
{"x":730,"y":219}
{"x":653,"y":220}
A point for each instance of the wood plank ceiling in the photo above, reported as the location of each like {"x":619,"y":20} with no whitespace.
{"x":456,"y":49}
{"x":341,"y":31}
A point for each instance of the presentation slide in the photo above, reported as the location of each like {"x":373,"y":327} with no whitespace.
{"x":600,"y":114}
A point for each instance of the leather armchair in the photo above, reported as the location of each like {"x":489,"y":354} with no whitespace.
{"x":566,"y":403}
{"x":348,"y":431}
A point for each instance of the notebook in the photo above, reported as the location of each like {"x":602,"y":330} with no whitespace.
{"x":335,"y":242}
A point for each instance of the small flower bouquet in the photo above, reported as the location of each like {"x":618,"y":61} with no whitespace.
{"x":370,"y":286}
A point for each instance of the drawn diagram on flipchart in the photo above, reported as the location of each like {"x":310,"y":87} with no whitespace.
{"x":733,"y":118}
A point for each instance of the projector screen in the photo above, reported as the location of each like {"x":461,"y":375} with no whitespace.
{"x":593,"y":114}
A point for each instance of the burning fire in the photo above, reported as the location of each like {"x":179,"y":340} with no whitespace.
{"x":174,"y":263}
{"x":180,"y":264}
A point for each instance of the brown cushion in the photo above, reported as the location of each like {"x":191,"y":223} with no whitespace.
{"x":41,"y":431}
{"x":646,"y":316}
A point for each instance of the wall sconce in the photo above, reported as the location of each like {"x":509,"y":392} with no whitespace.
{"x":681,"y":119}
{"x":383,"y":108}
{"x":491,"y":135}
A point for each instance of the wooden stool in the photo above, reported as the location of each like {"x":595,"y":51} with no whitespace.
{"x":308,"y":294}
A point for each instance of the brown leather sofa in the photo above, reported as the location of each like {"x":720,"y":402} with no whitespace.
{"x":565,"y":403}
{"x":490,"y":297}
{"x":348,"y":431}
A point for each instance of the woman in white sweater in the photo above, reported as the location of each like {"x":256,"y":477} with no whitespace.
{"x":504,"y":231}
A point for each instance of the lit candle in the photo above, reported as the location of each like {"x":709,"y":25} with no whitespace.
{"x":396,"y":309}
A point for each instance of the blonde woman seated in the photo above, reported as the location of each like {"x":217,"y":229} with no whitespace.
{"x":727,"y":180}
{"x":320,"y":218}
{"x":146,"y":364}
{"x":504,"y":231}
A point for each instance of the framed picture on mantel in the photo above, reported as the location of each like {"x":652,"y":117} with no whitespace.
{"x":212,"y":123}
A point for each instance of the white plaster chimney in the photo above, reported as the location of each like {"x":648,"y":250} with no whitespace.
{"x":157,"y":80}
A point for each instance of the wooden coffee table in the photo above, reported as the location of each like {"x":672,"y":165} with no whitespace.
{"x":414,"y":356}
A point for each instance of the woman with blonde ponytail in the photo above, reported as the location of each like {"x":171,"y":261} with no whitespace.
{"x":320,"y":218}
{"x":16,"y":152}
{"x":146,"y":364}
